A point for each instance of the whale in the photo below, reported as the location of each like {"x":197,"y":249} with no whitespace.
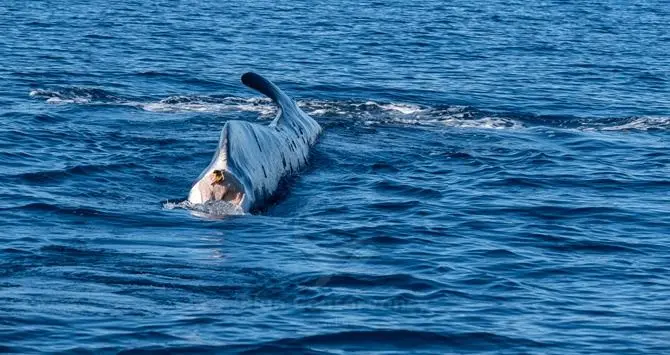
{"x":251,"y":159}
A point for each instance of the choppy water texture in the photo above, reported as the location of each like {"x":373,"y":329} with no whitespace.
{"x":493,"y":178}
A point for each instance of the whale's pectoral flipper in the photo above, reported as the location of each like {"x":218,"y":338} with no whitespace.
{"x":267,"y":88}
{"x":290,"y":115}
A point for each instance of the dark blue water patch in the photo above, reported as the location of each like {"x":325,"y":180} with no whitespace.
{"x":55,"y":177}
{"x":382,"y":340}
{"x":413,"y":340}
{"x":402,"y":282}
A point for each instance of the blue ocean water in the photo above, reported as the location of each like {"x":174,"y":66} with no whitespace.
{"x":493,"y":177}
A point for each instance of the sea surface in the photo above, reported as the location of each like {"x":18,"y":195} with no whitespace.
{"x":493,"y":177}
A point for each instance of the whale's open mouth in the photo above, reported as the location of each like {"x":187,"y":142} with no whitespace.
{"x":217,"y":185}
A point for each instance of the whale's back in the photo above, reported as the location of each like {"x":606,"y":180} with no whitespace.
{"x":259,"y":156}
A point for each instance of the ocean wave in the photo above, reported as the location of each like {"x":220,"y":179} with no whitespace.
{"x":74,"y":95}
{"x":386,"y":340}
{"x":349,"y":280}
{"x":42,"y":177}
{"x":81,"y":211}
{"x":365,"y":112}
{"x":368,"y":112}
{"x":645,"y":123}
{"x":374,"y":113}
{"x":401,"y":339}
{"x":175,"y":104}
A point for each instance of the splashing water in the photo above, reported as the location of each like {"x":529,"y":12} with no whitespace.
{"x":211,"y":209}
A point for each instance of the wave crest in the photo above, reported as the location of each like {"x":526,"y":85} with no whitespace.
{"x":645,"y":123}
{"x":363,"y":112}
{"x":74,"y":95}
{"x":172,"y":104}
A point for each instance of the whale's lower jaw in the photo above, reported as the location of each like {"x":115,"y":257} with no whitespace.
{"x":195,"y":195}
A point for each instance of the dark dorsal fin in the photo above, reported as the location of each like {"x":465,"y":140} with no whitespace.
{"x":267,"y":88}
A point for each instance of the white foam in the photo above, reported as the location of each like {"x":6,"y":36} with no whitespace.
{"x":451,"y":116}
{"x":60,"y":101}
{"x":457,"y":108}
{"x":176,"y":104}
{"x":405,"y":109}
{"x":368,"y":112}
{"x":484,"y":122}
{"x":184,"y":107}
{"x":321,"y":107}
{"x":67,"y":96}
{"x":318,"y":112}
{"x":641,"y":124}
